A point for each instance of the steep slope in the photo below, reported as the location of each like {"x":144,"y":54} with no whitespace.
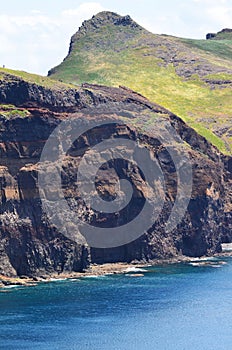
{"x":192,"y":78}
{"x":31,"y":244}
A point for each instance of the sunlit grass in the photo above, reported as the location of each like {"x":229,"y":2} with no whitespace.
{"x":104,"y":58}
{"x":5,"y":74}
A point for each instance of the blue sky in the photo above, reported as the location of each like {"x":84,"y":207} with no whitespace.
{"x":35,"y":35}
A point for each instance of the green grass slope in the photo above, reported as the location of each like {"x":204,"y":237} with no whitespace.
{"x":192,"y":78}
{"x":10,"y":74}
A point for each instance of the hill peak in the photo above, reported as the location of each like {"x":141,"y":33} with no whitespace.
{"x":101,"y":28}
{"x":105,"y":18}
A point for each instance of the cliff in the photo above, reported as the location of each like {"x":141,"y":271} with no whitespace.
{"x":30,"y":242}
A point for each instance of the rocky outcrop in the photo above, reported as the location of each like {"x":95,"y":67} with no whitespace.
{"x":210,"y":36}
{"x":31,"y":245}
{"x":107,"y":18}
{"x":22,"y":93}
{"x":219,"y":35}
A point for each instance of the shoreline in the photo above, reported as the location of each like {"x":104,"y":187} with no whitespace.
{"x":96,"y":270}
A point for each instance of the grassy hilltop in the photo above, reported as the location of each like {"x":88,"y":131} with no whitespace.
{"x":192,"y":78}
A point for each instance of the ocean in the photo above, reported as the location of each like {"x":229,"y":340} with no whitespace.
{"x":172,"y":307}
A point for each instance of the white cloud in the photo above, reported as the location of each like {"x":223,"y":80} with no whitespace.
{"x":36,"y":11}
{"x":192,"y":18}
{"x":84,"y":10}
{"x":36,"y":42}
{"x":213,"y":15}
{"x":212,"y":2}
{"x":220,"y":14}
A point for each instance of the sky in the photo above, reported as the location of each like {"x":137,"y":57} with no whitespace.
{"x":35,"y":34}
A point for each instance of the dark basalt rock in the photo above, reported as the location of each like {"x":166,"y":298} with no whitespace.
{"x":30,"y":245}
{"x":126,"y":21}
{"x":210,"y":36}
{"x":105,"y":18}
{"x":218,"y":34}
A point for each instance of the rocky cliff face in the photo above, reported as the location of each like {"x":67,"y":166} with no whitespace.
{"x":31,"y":245}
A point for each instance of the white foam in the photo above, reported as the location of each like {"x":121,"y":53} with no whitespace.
{"x":13,"y":286}
{"x":226,"y":247}
{"x":74,"y":279}
{"x":94,"y":276}
{"x":195,"y":264}
{"x":134,"y":269}
{"x":208,"y":263}
{"x":208,"y":258}
{"x":57,"y":279}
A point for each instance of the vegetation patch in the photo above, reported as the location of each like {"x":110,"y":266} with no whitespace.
{"x":10,"y":111}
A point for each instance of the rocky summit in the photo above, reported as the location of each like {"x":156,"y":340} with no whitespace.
{"x":36,"y":243}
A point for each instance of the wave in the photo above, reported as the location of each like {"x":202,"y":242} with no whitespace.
{"x":11,"y":286}
{"x":135,"y":275}
{"x":94,"y":276}
{"x":74,"y":279}
{"x":208,"y":258}
{"x":134,"y":269}
{"x":208,"y":263}
{"x":226,"y":247}
{"x":57,"y":279}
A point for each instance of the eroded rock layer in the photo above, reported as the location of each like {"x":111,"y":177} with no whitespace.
{"x":30,"y":244}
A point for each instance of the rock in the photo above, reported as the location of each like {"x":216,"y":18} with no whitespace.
{"x":31,"y":245}
{"x":210,"y":36}
{"x":222,"y":34}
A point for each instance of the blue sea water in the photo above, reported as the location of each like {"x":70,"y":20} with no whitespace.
{"x":173,"y":307}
